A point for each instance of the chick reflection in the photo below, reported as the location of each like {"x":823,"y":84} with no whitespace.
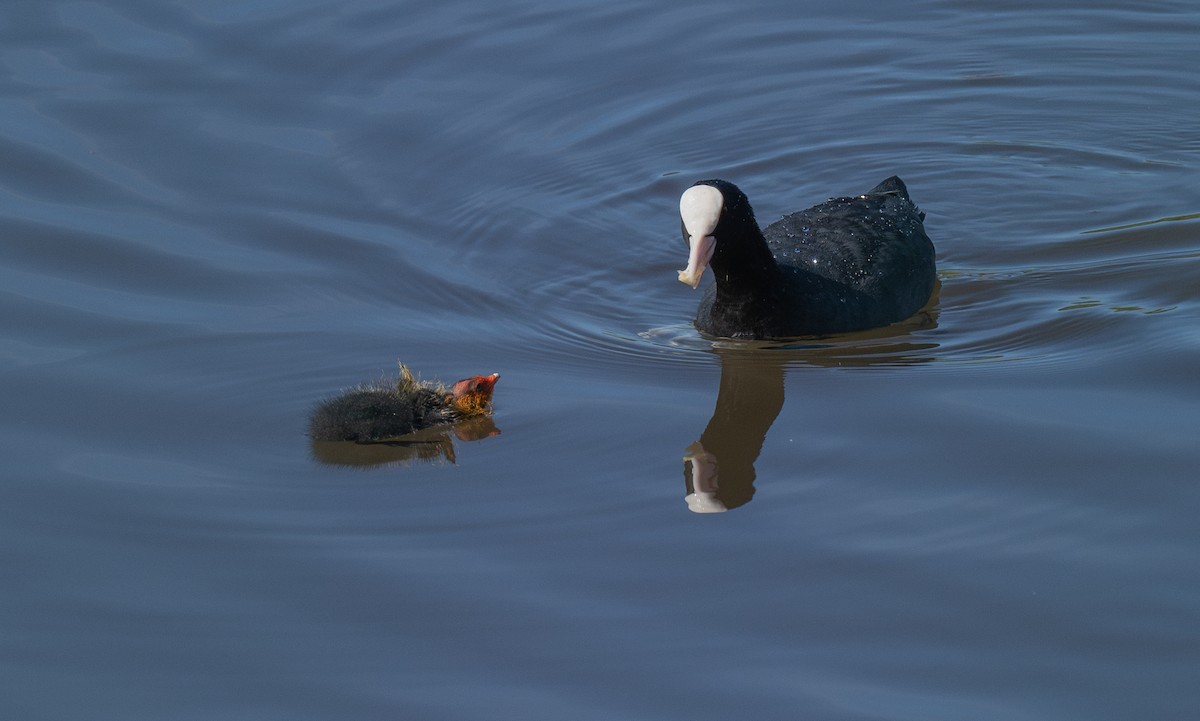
{"x":719,"y":468}
{"x":432,"y":445}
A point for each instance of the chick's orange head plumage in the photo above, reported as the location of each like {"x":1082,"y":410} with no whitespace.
{"x":473,"y":395}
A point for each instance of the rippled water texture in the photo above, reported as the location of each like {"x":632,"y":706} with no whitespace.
{"x":213,"y":214}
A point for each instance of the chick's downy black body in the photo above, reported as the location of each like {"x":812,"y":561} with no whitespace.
{"x":388,"y":410}
{"x":373,"y":412}
{"x":846,"y":264}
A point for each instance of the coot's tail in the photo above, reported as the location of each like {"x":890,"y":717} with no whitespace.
{"x":893,"y":185}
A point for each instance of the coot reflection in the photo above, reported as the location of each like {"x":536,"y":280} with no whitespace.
{"x":429,"y":445}
{"x":719,"y":467}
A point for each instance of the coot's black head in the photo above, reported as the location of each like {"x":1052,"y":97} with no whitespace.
{"x":715,"y":217}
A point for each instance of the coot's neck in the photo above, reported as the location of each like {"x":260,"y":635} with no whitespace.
{"x":743,"y":266}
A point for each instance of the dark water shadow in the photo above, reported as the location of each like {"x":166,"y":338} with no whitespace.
{"x":894,"y":345}
{"x":429,"y":445}
{"x":890,"y":345}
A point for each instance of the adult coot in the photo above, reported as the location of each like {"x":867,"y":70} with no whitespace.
{"x":385,"y":410}
{"x":844,"y":265}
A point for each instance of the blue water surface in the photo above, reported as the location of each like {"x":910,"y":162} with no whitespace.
{"x":214,"y":214}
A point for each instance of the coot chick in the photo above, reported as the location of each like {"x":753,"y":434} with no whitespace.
{"x":844,"y":265}
{"x":372,"y":412}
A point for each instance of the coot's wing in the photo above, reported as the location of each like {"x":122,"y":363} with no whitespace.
{"x":873,"y":244}
{"x":849,"y":239}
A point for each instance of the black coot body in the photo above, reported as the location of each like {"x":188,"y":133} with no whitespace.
{"x":844,"y":265}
